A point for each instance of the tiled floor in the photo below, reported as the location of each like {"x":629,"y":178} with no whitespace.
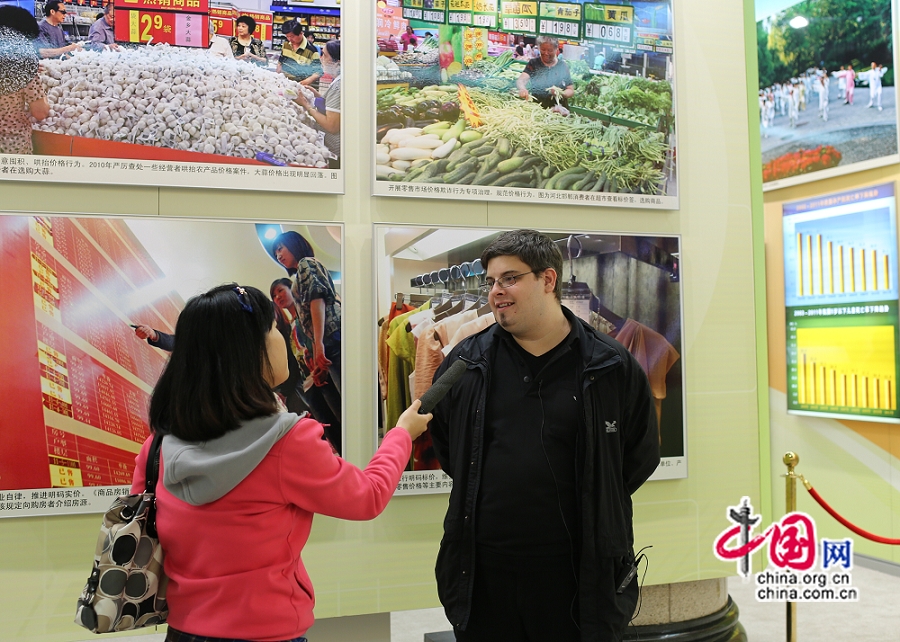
{"x":875,"y":618}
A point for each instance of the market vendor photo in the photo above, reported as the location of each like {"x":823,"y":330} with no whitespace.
{"x":546,"y":78}
{"x":189,"y":94}
{"x":563,"y":102}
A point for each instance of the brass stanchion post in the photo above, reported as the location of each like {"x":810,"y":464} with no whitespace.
{"x":790,"y":460}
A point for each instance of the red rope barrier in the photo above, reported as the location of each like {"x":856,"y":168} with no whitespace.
{"x":845,"y":522}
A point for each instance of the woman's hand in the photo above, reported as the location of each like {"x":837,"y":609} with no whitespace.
{"x":412,"y":422}
{"x":146,"y":332}
{"x":301,"y":100}
{"x":320,"y":364}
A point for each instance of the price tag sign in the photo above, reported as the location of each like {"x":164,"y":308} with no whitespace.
{"x":263,"y":24}
{"x":609,"y":24}
{"x":180,"y":29}
{"x":486,"y":14}
{"x":223,"y":20}
{"x":560,"y":20}
{"x":412,"y":9}
{"x":460,"y":12}
{"x":519,"y":17}
{"x":435,"y":11}
{"x":189,"y":6}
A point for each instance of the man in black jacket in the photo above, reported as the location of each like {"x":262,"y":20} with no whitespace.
{"x":546,"y":436}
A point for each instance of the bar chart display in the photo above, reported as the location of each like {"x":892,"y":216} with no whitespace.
{"x":841,"y":300}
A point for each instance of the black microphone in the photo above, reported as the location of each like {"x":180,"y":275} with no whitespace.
{"x":441,"y":387}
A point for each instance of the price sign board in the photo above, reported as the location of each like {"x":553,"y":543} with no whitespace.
{"x":461,"y":12}
{"x":486,"y":14}
{"x":519,"y":17}
{"x":189,"y":6}
{"x":223,"y":19}
{"x":610,"y":24}
{"x":173,"y":28}
{"x":412,"y":9}
{"x":560,"y":20}
{"x":435,"y":12}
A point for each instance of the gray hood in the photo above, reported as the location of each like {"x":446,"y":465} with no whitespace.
{"x":202,"y":472}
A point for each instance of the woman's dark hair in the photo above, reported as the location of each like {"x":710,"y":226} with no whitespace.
{"x":531,"y":247}
{"x":333,"y":47}
{"x":250,"y":22}
{"x":19,"y":19}
{"x":215,"y":377}
{"x":280,"y":321}
{"x":295,"y":244}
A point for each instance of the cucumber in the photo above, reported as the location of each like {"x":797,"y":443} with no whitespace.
{"x":467,"y":179}
{"x":554,"y":181}
{"x":475,"y":143}
{"x":548,"y":172}
{"x":598,"y":186}
{"x":543,"y":183}
{"x":413,"y":173}
{"x":470,"y":136}
{"x":432,"y":179}
{"x":516,"y":177}
{"x":520,"y":184}
{"x":487,"y":179}
{"x":510,"y":165}
{"x":531,"y":161}
{"x":503,"y":147}
{"x":568,"y":181}
{"x":435,"y":168}
{"x":587,"y":180}
{"x":484,"y":150}
{"x":456,"y":158}
{"x":420,"y":162}
{"x":469,"y":166}
{"x":613,"y":185}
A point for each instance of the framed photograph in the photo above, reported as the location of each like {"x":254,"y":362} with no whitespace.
{"x":840,"y":267}
{"x":429,"y":299}
{"x":548,"y":102}
{"x":827,"y":90}
{"x":186,"y":93}
{"x":89,"y":315}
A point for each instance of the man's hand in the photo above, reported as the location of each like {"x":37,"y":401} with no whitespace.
{"x":146,"y":332}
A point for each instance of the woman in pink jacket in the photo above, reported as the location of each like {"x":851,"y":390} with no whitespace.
{"x":241,"y":478}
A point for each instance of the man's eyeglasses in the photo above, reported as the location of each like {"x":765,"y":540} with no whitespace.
{"x":504,"y":281}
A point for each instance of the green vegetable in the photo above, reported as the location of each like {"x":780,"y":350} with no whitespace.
{"x":524,"y":177}
{"x":573,"y":171}
{"x":487,"y":179}
{"x":510,"y":165}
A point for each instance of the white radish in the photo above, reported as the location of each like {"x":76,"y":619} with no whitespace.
{"x":410,"y":153}
{"x":382,"y":158}
{"x":383,"y":171}
{"x":401,"y":165}
{"x":421,"y":143}
{"x":444,"y":149}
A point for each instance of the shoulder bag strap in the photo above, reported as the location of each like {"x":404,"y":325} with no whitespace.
{"x":152,"y":473}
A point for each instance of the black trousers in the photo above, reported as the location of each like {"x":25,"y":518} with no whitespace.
{"x":522,"y":599}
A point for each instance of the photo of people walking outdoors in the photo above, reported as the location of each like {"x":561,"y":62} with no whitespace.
{"x":827,"y":98}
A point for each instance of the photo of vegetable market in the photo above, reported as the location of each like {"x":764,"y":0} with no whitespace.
{"x":827,"y":91}
{"x":186,"y":81}
{"x":571,"y":100}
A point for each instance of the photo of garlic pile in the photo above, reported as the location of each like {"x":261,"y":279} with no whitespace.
{"x":181,"y":99}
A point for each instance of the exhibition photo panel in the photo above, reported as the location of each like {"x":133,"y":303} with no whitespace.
{"x":429,"y":299}
{"x":188,"y":93}
{"x":827,"y":91}
{"x":89,"y":318}
{"x":564,"y":103}
{"x":841,"y":302}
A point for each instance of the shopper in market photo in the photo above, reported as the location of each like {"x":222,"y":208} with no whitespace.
{"x":317,"y":303}
{"x":546,"y":78}
{"x":299,"y":59}
{"x":328,"y":118}
{"x":102,"y":33}
{"x":548,"y":433}
{"x":323,"y":402}
{"x":52,"y":42}
{"x":244,"y":46}
{"x":22,"y":96}
{"x":241,"y":479}
{"x":218,"y":46}
{"x":408,"y":39}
